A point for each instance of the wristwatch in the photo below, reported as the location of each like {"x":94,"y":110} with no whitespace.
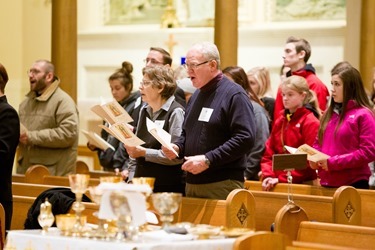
{"x":207,"y":161}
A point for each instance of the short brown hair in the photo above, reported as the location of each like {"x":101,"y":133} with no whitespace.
{"x":301,"y":44}
{"x":167,"y":59}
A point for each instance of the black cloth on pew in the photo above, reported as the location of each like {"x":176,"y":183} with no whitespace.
{"x":61,"y":200}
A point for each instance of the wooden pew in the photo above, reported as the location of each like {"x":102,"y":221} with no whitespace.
{"x":34,"y":174}
{"x":18,"y":178}
{"x":367,"y":196}
{"x":33,"y":190}
{"x":359,"y":237}
{"x":267,"y":205}
{"x":300,"y":245}
{"x":27,"y":189}
{"x":21,"y":205}
{"x":238,"y":210}
{"x":262,"y":240}
{"x":194,"y":210}
{"x":37,"y":174}
{"x":295,"y":188}
{"x":64,"y":181}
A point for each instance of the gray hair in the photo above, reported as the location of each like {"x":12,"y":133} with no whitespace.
{"x":209,"y":51}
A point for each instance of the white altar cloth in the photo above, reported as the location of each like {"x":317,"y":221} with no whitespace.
{"x":34,"y":240}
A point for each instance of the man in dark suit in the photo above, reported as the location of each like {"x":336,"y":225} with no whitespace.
{"x":9,"y":137}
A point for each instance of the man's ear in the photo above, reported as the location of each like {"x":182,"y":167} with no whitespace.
{"x":49,"y":77}
{"x":302,"y":54}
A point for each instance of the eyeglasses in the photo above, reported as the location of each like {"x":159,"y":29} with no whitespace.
{"x":152,"y":61}
{"x":194,"y":65}
{"x":145,"y":83}
{"x":33,"y":72}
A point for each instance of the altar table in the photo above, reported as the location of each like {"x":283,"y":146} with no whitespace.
{"x":34,"y":240}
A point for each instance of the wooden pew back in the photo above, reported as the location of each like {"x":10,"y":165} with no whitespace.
{"x":340,"y":235}
{"x":347,"y":206}
{"x":64,"y":181}
{"x":29,"y":189}
{"x":288,"y":219}
{"x":262,"y":240}
{"x":35,"y":174}
{"x":238,"y":210}
{"x":295,"y":188}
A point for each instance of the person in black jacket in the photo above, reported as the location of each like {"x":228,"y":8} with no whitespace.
{"x":121,"y":84}
{"x":9,"y":138}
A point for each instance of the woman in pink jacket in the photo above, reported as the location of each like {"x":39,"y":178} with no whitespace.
{"x":346,"y":132}
{"x":299,"y":125}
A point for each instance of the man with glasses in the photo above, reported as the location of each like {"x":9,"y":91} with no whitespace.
{"x":218,"y":130}
{"x":50,"y":118}
{"x":159,"y":56}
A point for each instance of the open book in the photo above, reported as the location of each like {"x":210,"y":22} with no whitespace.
{"x":123,"y":133}
{"x":160,"y":134}
{"x":312,"y":154}
{"x":96,"y":140}
{"x":112,"y":112}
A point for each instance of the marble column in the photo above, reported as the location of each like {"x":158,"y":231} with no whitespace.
{"x":367,"y":42}
{"x":64,"y":44}
{"x":226,"y":31}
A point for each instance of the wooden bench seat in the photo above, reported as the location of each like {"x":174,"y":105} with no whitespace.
{"x":359,"y":237}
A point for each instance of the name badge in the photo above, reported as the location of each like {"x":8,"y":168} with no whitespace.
{"x":205,"y":114}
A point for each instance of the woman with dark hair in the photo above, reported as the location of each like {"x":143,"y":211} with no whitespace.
{"x":262,"y":121}
{"x":121,"y":84}
{"x":346,"y":132}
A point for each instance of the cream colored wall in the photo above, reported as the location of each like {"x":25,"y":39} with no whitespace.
{"x":26,"y":31}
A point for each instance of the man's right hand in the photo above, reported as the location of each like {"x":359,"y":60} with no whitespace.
{"x":169,"y":153}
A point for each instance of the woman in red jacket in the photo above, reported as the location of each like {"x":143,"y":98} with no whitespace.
{"x":299,"y":125}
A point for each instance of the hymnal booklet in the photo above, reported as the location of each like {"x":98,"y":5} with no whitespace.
{"x":312,"y":154}
{"x":97,"y":141}
{"x":112,"y":112}
{"x":160,"y":134}
{"x":117,"y":118}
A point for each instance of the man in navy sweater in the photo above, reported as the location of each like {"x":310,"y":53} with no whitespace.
{"x":218,"y":131}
